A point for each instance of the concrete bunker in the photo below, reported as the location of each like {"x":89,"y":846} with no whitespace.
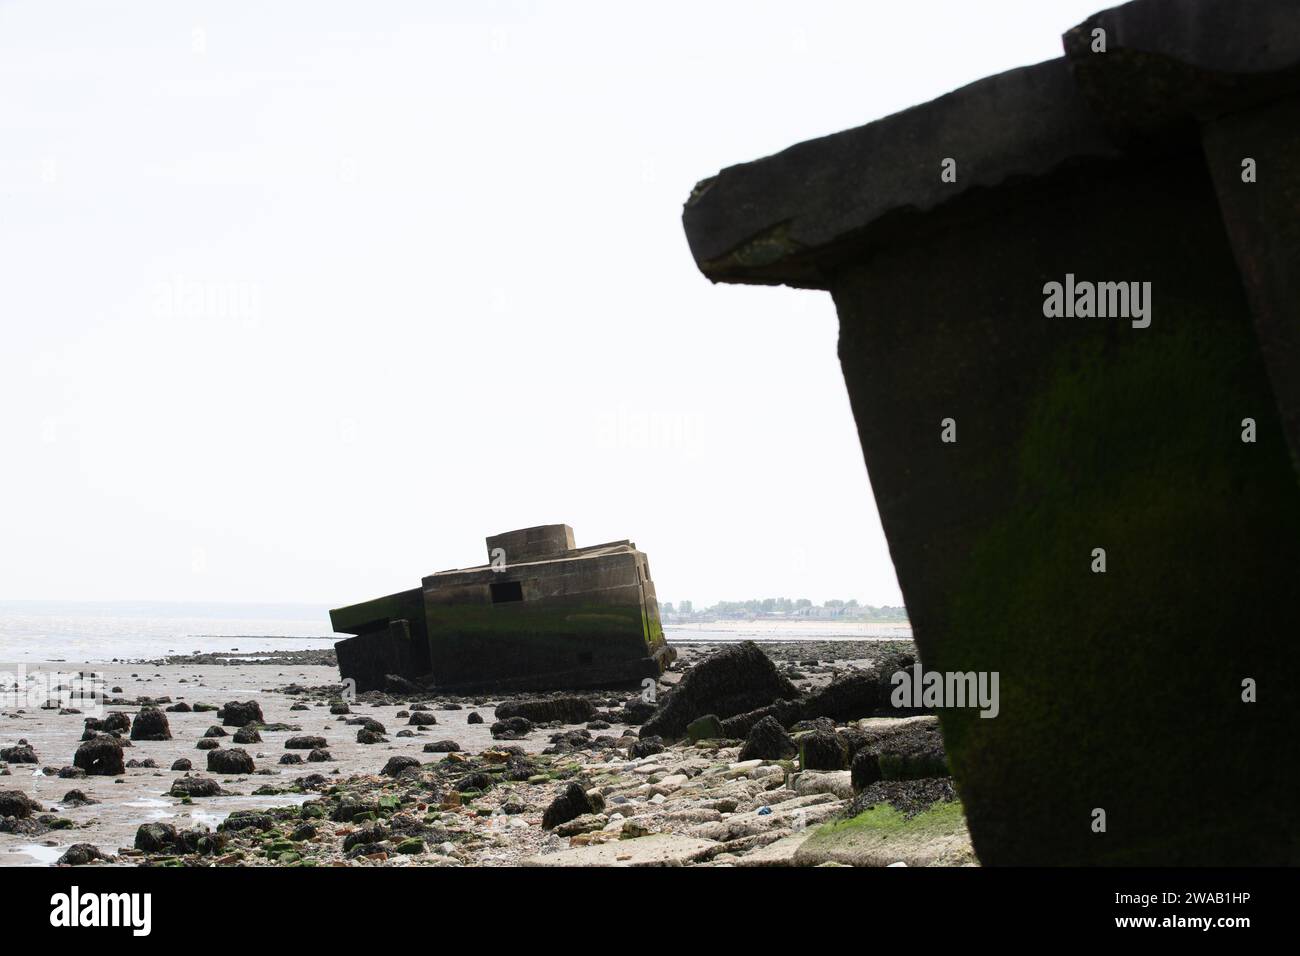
{"x":542,"y":614}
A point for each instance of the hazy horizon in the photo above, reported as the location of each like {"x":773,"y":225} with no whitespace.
{"x":304,"y":301}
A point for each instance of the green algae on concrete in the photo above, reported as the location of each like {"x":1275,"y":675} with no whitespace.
{"x":881,"y":835}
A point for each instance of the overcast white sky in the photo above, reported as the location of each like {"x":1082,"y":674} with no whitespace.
{"x":300,"y":301}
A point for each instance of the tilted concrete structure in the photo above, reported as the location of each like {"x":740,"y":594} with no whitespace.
{"x":541,"y":615}
{"x":1164,"y":147}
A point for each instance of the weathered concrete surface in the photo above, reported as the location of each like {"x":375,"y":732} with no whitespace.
{"x":881,"y":836}
{"x":664,"y":849}
{"x":542,"y":615}
{"x":1122,"y":690}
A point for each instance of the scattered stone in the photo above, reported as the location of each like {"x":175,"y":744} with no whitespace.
{"x":767,"y":740}
{"x":708,"y":727}
{"x":396,"y":765}
{"x":183,"y":764}
{"x":22,"y":753}
{"x":442,"y":747}
{"x":571,"y":803}
{"x":15,"y":803}
{"x":541,"y":710}
{"x":150,"y":724}
{"x":247,"y":735}
{"x":232,"y":761}
{"x":81,"y":854}
{"x":646,"y":747}
{"x":155,"y":837}
{"x":100,"y":757}
{"x":822,"y":750}
{"x":731,"y":681}
{"x":512,"y":728}
{"x":906,"y":750}
{"x":305,"y":743}
{"x":240,"y":714}
{"x":196,"y":787}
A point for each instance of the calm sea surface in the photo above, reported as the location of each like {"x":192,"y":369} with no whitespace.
{"x":103,"y":631}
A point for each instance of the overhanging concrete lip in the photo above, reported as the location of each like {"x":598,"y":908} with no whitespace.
{"x":1245,"y":37}
{"x":1172,"y":63}
{"x":774,"y":220}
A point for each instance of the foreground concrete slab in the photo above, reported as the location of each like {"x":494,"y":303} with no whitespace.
{"x":881,"y":836}
{"x":664,"y":849}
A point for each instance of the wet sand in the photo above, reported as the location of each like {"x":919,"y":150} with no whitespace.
{"x":141,"y":795}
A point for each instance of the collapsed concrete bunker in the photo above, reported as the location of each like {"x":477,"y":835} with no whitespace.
{"x":542,"y":614}
{"x":1008,"y":444}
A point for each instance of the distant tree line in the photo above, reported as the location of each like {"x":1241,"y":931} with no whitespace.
{"x":782,"y":607}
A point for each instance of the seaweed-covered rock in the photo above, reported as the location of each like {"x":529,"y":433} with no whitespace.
{"x":319,"y":755}
{"x":396,"y":766}
{"x":571,"y":803}
{"x":422,"y":718}
{"x":731,"y":681}
{"x":862,"y":693}
{"x":474,"y":717}
{"x":150,"y":724}
{"x":216,"y":731}
{"x":541,"y":710}
{"x":708,"y":727}
{"x":196,"y":787}
{"x":155,"y":837}
{"x":115,"y":722}
{"x":512,"y":728}
{"x":367,"y":736}
{"x":767,"y":740}
{"x":645,"y":747}
{"x":305,"y":743}
{"x":822,"y":750}
{"x":15,"y":803}
{"x":785,"y":712}
{"x":22,"y":753}
{"x":247,"y":735}
{"x":81,"y":854}
{"x":101,"y":757}
{"x":637,"y":710}
{"x":241,"y":713}
{"x":230,"y":761}
{"x":477,"y":781}
{"x":910,"y":750}
{"x":442,"y":747}
{"x":182,"y":764}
